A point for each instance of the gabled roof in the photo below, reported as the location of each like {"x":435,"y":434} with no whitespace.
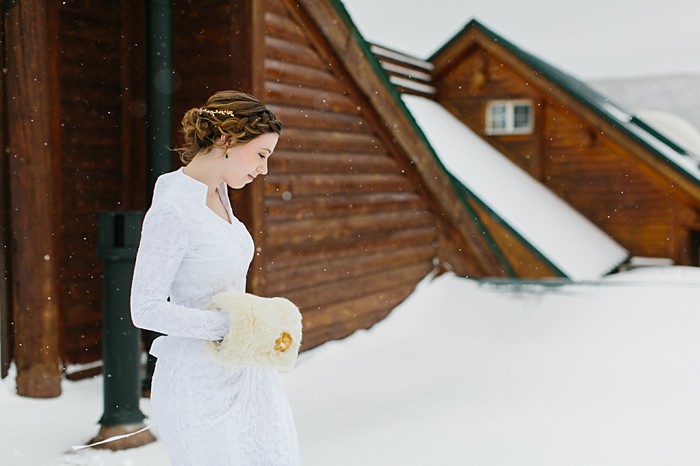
{"x":659,"y":145}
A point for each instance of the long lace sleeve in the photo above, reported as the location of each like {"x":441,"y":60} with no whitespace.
{"x":163,"y":245}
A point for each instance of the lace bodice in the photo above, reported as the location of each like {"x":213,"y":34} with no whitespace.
{"x":187,"y":254}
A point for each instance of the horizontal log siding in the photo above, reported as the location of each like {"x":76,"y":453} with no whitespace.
{"x":347,"y":235}
{"x":604,"y":184}
{"x":91,"y":165}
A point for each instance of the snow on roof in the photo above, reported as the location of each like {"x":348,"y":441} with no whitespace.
{"x":675,"y":127}
{"x":561,"y":234}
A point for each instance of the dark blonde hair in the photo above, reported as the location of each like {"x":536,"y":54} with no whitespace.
{"x":237,"y":115}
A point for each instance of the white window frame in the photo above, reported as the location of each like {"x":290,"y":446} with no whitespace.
{"x":509,"y":107}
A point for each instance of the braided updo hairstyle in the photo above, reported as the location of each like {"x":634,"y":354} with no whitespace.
{"x":237,"y":115}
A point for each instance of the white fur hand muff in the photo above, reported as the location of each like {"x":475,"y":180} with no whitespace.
{"x":262,"y":331}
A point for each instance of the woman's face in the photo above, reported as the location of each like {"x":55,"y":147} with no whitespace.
{"x":247,"y":161}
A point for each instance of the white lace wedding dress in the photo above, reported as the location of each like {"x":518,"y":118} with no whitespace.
{"x":207,"y":414}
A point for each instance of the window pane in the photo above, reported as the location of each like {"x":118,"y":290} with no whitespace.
{"x":498,"y":116}
{"x":521,"y":116}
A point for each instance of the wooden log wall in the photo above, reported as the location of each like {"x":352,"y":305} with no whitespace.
{"x":348,"y":235}
{"x":102,"y":161}
{"x":603,"y":183}
{"x":574,"y":154}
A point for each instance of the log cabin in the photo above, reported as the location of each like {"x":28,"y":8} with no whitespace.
{"x":636,"y":184}
{"x":357,"y":208}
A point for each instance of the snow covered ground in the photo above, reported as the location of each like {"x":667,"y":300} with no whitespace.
{"x":464,"y":372}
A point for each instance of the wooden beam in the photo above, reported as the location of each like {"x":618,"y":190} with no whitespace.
{"x":5,"y":245}
{"x":33,"y":133}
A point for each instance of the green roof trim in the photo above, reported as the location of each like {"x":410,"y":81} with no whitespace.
{"x":599,"y":104}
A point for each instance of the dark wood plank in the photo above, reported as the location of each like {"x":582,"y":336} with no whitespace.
{"x":292,"y":52}
{"x":295,"y":162}
{"x":278,"y":24}
{"x":372,"y":283}
{"x":292,"y":257}
{"x":332,"y":184}
{"x":317,"y":231}
{"x":5,"y":228}
{"x":308,"y":118}
{"x":342,"y":205}
{"x":341,"y":269}
{"x":302,"y":76}
{"x":315,"y":98}
{"x":343,"y":319}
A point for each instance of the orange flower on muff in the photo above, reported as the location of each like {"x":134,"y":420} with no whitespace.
{"x":262,"y":332}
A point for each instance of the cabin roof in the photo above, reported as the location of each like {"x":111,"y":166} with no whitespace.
{"x":668,"y":151}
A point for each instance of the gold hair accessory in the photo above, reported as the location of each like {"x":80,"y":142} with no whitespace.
{"x":217,"y":112}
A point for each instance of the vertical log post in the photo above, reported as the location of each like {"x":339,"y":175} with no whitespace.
{"x":33,"y":132}
{"x":5,"y":245}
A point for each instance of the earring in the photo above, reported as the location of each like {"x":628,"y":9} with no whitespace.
{"x":226,"y":155}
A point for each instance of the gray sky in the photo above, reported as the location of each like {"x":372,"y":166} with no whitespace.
{"x":591,"y":39}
